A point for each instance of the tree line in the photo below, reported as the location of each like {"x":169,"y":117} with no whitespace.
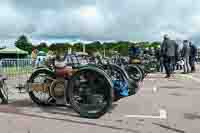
{"x":96,"y":46}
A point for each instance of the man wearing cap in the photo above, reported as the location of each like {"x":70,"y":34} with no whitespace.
{"x":168,"y":52}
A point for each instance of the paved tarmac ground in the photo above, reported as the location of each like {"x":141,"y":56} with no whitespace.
{"x":161,"y":106}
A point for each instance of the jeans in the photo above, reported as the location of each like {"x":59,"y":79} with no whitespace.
{"x":168,"y":62}
{"x":186,"y":66}
{"x":161,"y":64}
{"x":33,"y":63}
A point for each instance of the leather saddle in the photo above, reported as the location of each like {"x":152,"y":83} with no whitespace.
{"x":62,"y":70}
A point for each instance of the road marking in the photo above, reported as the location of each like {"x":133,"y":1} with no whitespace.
{"x":163,"y":115}
{"x":149,"y":79}
{"x":155,"y":89}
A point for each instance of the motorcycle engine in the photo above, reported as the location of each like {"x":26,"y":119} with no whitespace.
{"x":57,"y":89}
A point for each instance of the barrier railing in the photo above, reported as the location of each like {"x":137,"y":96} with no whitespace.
{"x":16,"y":70}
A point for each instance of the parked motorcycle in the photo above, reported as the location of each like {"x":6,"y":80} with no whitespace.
{"x":134,"y":72}
{"x":88,"y":89}
{"x":147,"y":64}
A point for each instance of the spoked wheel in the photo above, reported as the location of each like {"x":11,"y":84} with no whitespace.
{"x":153,"y":67}
{"x":114,"y":72}
{"x":142,"y":70}
{"x":39,"y":84}
{"x":90,"y":93}
{"x":3,"y":92}
{"x":150,"y":68}
{"x":134,"y":72}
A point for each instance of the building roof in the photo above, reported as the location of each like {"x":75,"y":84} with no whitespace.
{"x":12,"y":51}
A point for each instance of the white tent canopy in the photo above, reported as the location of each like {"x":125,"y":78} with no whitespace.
{"x":12,"y":51}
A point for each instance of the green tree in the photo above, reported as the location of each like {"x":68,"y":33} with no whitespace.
{"x":122,"y":47}
{"x":77,"y":47}
{"x":52,"y":47}
{"x":155,"y":44}
{"x":24,"y":44}
{"x":94,"y":47}
{"x":42,"y":47}
{"x":2,"y":47}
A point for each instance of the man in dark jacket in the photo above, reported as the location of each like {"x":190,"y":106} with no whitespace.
{"x":193,"y":53}
{"x":168,"y":51}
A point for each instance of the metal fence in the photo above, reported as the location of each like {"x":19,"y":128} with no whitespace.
{"x":17,"y":70}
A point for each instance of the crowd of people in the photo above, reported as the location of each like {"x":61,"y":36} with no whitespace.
{"x":173,"y":57}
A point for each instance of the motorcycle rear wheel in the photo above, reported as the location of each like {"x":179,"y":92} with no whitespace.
{"x":90,"y":92}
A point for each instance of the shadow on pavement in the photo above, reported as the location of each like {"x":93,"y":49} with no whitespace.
{"x":169,"y":128}
{"x":18,"y":106}
{"x":13,"y":110}
{"x":191,"y":116}
{"x":171,"y":87}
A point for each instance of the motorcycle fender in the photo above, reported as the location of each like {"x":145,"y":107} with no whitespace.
{"x":42,"y":68}
{"x":99,"y":71}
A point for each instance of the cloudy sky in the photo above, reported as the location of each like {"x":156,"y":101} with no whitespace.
{"x":88,"y":20}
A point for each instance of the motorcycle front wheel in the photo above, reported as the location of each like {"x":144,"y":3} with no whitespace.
{"x":38,"y":86}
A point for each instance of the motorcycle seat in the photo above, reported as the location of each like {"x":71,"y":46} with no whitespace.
{"x":64,"y":71}
{"x":60,"y":64}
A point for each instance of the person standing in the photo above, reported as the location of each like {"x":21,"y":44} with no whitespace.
{"x":179,"y":59}
{"x":185,"y":56}
{"x":168,"y":48}
{"x":34,"y":57}
{"x":50,"y":58}
{"x":176,"y":56}
{"x":193,"y":53}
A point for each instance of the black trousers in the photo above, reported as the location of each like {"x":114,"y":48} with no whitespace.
{"x":168,"y":64}
{"x":173,"y":65}
{"x":192,"y":63}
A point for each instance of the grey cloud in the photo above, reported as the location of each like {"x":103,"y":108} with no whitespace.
{"x":114,"y":20}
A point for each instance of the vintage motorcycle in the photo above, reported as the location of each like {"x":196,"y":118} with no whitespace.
{"x":134,"y":72}
{"x":146,"y":63}
{"x":90,"y":88}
